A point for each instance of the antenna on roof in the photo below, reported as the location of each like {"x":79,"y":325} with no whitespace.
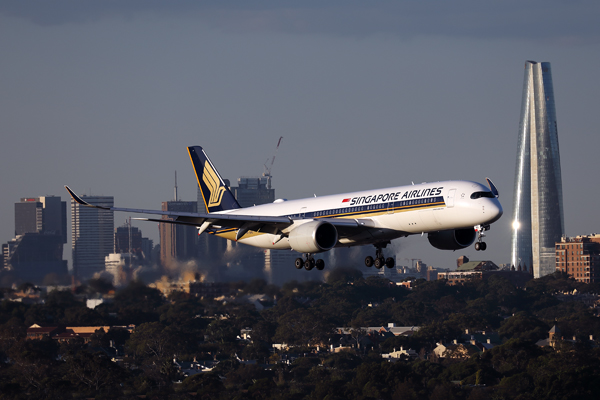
{"x":175,"y":186}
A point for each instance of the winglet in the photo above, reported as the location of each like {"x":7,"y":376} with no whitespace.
{"x":492,"y":187}
{"x":82,"y":202}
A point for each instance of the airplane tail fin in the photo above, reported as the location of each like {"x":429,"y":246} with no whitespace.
{"x":216,"y":194}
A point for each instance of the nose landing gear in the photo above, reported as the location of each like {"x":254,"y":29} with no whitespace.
{"x":480,"y":244}
{"x":379,"y":260}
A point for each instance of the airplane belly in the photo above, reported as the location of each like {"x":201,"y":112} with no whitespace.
{"x":266,"y":241}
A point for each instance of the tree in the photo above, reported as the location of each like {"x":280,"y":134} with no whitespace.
{"x":152,"y":339}
{"x":343,"y":275}
{"x":302,"y":327}
{"x":93,"y":372}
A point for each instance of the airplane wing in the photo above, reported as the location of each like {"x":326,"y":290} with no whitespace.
{"x":269,"y":224}
{"x":244,"y":223}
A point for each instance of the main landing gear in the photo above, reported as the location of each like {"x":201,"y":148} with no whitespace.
{"x":309,"y":263}
{"x":379,"y":260}
{"x":480,"y":244}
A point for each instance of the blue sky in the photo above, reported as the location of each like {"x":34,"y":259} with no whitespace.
{"x":105,"y":95}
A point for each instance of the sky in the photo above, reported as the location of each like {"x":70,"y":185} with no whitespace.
{"x":105,"y":96}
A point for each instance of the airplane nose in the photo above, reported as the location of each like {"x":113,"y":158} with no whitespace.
{"x":495,"y":210}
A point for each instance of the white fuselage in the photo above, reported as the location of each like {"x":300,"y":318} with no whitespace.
{"x":385,"y":213}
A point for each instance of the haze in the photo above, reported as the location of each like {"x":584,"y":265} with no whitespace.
{"x":105,"y":97}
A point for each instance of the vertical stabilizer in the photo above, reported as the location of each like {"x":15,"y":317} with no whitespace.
{"x":216,"y":195}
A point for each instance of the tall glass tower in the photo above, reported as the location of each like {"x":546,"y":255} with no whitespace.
{"x":538,"y":220}
{"x":93,"y":235}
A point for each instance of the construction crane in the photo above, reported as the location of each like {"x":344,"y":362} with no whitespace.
{"x":267,"y":172}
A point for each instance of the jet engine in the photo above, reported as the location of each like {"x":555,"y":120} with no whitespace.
{"x":313,"y":237}
{"x":452,"y":239}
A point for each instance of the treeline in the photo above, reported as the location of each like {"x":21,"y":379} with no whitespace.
{"x":304,"y":315}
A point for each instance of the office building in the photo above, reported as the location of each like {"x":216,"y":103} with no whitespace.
{"x":177,"y":242}
{"x":538,"y":221}
{"x":40,"y":233}
{"x":92,"y":231}
{"x":128,"y":239}
{"x":120,"y":266}
{"x":579,"y":257}
{"x":252,"y":191}
{"x":44,"y":214}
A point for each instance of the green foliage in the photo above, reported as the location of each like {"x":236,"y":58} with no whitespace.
{"x":305,"y":314}
{"x":343,"y":275}
{"x":524,"y":326}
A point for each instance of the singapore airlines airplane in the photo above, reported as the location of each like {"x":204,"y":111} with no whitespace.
{"x":454,"y":214}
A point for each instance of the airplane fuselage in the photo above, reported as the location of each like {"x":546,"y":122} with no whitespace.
{"x":386,"y":213}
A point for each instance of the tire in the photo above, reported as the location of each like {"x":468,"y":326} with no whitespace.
{"x":483,"y":246}
{"x":369,"y":261}
{"x":299,"y":263}
{"x":309,"y":264}
{"x":477,"y":246}
{"x":320,"y":264}
{"x":389,"y":262}
{"x":379,"y":263}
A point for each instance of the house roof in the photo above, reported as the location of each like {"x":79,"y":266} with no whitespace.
{"x":477,"y":266}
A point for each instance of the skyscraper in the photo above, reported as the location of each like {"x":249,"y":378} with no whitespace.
{"x":252,"y":191}
{"x":92,"y":231}
{"x":40,"y":233}
{"x":177,"y":242}
{"x":538,"y":221}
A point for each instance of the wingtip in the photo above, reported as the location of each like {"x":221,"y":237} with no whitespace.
{"x":75,"y":197}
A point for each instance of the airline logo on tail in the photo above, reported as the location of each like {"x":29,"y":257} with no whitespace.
{"x":212,"y":181}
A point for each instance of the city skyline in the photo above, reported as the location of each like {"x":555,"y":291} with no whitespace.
{"x":362,"y":102}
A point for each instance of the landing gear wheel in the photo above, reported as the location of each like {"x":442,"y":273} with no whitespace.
{"x":389,"y":262}
{"x":379,"y":262}
{"x":480,"y":229}
{"x":299,"y":263}
{"x":309,"y":264}
{"x":369,"y":261}
{"x":320,"y":264}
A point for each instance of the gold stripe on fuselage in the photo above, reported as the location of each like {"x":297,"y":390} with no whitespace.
{"x":230,"y":233}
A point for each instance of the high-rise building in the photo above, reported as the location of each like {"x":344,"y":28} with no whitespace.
{"x":538,"y":221}
{"x":40,"y":233}
{"x":92,"y":231}
{"x":44,"y":214}
{"x":252,"y":191}
{"x":128,"y":239}
{"x":177,"y":242}
{"x":579,"y":257}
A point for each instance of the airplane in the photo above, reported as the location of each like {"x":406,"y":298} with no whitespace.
{"x":454,"y":214}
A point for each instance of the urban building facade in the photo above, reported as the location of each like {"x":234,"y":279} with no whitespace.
{"x":252,"y":191}
{"x":177,"y":242}
{"x":538,"y":221}
{"x":92,"y":232}
{"x":579,"y":257}
{"x":40,"y":234}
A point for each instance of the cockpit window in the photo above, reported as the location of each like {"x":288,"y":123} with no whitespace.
{"x":476,"y":195}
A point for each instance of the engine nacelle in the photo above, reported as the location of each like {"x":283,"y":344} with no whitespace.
{"x":452,"y":239}
{"x":313,"y":237}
